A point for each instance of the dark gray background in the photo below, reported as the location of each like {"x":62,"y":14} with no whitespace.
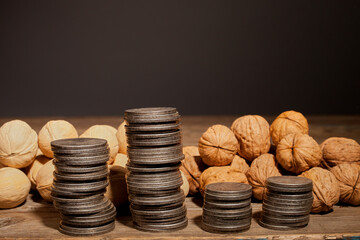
{"x":204,"y":57}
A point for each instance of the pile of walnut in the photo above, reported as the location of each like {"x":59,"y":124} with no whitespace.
{"x":251,"y":151}
{"x":26,"y":160}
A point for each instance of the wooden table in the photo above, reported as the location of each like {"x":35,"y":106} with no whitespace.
{"x":38,"y":219}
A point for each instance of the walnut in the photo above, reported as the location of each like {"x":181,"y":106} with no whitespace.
{"x":253,"y":134}
{"x":348,"y":175}
{"x":120,"y":160}
{"x":338,"y":150}
{"x":14,"y":187}
{"x":53,"y":130}
{"x":240,"y":163}
{"x":32,"y":170}
{"x":326,"y":189}
{"x":221,"y":174}
{"x":185,"y":186}
{"x":218,"y":146}
{"x":44,"y":180}
{"x":298,"y":152}
{"x":121,"y":137}
{"x":261,"y":168}
{"x":191,"y":151}
{"x":18,"y":144}
{"x":104,"y":132}
{"x":286,"y":123}
{"x":192,"y":167}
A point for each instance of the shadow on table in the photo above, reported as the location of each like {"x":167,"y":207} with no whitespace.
{"x":46,"y":211}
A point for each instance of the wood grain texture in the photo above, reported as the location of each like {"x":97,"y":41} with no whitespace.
{"x":37,"y":219}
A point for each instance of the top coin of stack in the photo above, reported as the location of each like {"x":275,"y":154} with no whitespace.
{"x":227,"y":207}
{"x":287,"y":203}
{"x":154,"y":179}
{"x":80,"y":180}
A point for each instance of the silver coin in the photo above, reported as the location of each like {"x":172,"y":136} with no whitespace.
{"x":285,"y":219}
{"x":63,"y":168}
{"x":228,"y":197}
{"x":81,"y":177}
{"x":177,"y":198}
{"x":227,"y":204}
{"x":78,"y":143}
{"x":241,"y":212}
{"x":157,"y":161}
{"x":284,"y":212}
{"x":71,"y":200}
{"x":81,"y":187}
{"x":62,"y":193}
{"x":288,"y":203}
{"x":83,"y":209}
{"x":156,"y":214}
{"x":86,"y":231}
{"x":161,"y":227}
{"x":278,"y":226}
{"x":224,"y":229}
{"x":289,"y":196}
{"x":135,"y":128}
{"x":71,"y":160}
{"x":150,"y":111}
{"x":152,"y":168}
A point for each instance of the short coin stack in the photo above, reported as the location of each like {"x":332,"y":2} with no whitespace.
{"x":154,"y":179}
{"x":287,"y":203}
{"x":80,"y":180}
{"x":227,"y":207}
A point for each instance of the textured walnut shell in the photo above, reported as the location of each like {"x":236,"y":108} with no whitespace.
{"x":53,"y":130}
{"x":121,"y":137}
{"x":120,"y":160}
{"x":253,"y":134}
{"x":261,"y":168}
{"x":326,"y":190}
{"x":348,"y":175}
{"x":14,"y":187}
{"x":287,"y":123}
{"x":192,"y":167}
{"x":32,"y":170}
{"x":338,"y":150}
{"x":191,"y":151}
{"x":298,"y":152}
{"x":18,"y":144}
{"x":185,"y":186}
{"x":221,"y":174}
{"x":218,"y":146}
{"x":104,"y":132}
{"x":240,"y":163}
{"x":44,"y":180}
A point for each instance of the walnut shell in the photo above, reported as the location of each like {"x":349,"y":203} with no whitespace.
{"x":14,"y":187}
{"x":298,"y":152}
{"x":53,"y":130}
{"x":192,"y":167}
{"x":18,"y":144}
{"x":326,"y":189}
{"x":185,"y":186}
{"x":44,"y":180}
{"x":218,"y":146}
{"x":221,"y":174}
{"x":253,"y":134}
{"x":261,"y":168}
{"x":287,"y":123}
{"x":338,"y":150}
{"x":348,"y":175}
{"x":32,"y":170}
{"x":120,"y":160}
{"x":104,"y":132}
{"x":191,"y":151}
{"x":240,"y":164}
{"x":121,"y":137}
{"x":116,"y":191}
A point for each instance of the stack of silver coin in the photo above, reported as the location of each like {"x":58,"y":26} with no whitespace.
{"x":80,"y":181}
{"x":287,"y":203}
{"x":227,"y":207}
{"x":154,"y":179}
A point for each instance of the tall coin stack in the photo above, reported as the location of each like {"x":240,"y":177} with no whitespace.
{"x":80,"y":180}
{"x":154,"y":179}
{"x":227,"y":207}
{"x":287,"y":203}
